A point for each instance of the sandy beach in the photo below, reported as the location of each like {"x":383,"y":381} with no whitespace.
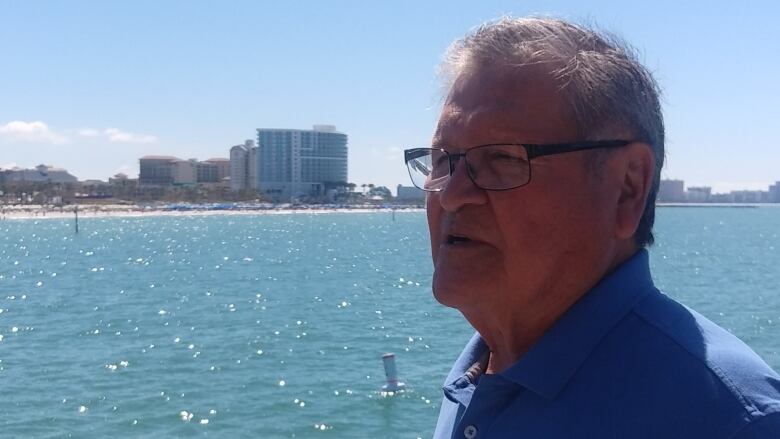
{"x":38,"y":212}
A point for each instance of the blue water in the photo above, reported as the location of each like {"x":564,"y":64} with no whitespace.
{"x":273,"y":326}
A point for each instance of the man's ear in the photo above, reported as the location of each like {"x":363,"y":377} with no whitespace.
{"x":637,"y":167}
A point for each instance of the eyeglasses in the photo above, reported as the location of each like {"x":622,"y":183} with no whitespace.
{"x":495,"y":167}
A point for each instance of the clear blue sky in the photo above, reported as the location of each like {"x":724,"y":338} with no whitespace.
{"x":110,"y":82}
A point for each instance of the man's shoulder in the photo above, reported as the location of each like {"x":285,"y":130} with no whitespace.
{"x":709,"y":345}
{"x":678,"y":358}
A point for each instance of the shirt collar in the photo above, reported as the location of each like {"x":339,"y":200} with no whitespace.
{"x":459,"y":385}
{"x":552,"y":361}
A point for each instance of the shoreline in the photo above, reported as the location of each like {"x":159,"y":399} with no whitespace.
{"x":38,"y":212}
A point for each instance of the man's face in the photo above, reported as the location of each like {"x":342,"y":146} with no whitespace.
{"x":522,"y":243}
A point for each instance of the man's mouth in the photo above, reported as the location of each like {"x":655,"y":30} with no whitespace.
{"x":455,"y":239}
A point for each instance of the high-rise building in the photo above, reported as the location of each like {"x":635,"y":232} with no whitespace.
{"x":253,"y":167}
{"x":296,"y":164}
{"x":243,"y":166}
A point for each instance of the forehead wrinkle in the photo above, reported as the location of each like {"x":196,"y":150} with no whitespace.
{"x":458,"y":125}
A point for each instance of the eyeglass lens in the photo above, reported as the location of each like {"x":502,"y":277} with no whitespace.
{"x":492,"y":167}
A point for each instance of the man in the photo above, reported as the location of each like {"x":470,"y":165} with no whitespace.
{"x":541,"y":186}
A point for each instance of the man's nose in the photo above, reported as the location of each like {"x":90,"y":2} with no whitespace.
{"x":460,"y":190}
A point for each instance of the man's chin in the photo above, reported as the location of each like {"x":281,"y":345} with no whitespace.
{"x":453,"y":294}
{"x":441,"y":297}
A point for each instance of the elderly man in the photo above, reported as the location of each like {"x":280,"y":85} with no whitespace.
{"x":541,"y":189}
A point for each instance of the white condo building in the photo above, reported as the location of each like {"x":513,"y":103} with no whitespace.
{"x":243,"y":166}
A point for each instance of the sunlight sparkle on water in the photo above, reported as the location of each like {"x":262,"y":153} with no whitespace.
{"x":339,"y":284}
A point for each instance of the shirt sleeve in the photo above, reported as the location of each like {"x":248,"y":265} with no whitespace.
{"x":765,"y":427}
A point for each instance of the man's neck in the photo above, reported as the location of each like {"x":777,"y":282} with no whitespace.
{"x":512,"y":332}
{"x":506,"y":348}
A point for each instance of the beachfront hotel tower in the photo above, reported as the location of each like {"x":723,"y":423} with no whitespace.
{"x":244,"y":167}
{"x":298,"y":164}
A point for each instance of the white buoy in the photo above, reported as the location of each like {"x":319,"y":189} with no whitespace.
{"x":393,"y":385}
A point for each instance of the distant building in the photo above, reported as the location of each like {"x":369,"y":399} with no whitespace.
{"x":122,"y":179}
{"x":300,"y":163}
{"x":243,"y":166}
{"x":56,"y":175}
{"x":750,"y":196}
{"x":119,"y":177}
{"x":206,"y":172}
{"x":409,"y":193}
{"x":671,"y":191}
{"x":167,"y":170}
{"x":39,"y":174}
{"x":253,"y":167}
{"x":722,"y":198}
{"x":94,"y":182}
{"x":222,"y":167}
{"x":184,"y":171}
{"x":699,"y":194}
{"x":774,"y":193}
{"x":158,"y":170}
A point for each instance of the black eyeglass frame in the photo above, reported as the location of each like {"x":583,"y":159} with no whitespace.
{"x":532,"y":151}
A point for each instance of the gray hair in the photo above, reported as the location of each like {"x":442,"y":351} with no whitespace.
{"x":607,"y":88}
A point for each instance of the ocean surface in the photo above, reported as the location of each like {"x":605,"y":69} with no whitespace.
{"x":273,"y":326}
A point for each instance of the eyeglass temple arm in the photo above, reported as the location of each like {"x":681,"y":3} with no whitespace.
{"x":550,"y":149}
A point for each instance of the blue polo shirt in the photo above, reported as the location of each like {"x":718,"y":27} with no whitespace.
{"x":624,"y":362}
